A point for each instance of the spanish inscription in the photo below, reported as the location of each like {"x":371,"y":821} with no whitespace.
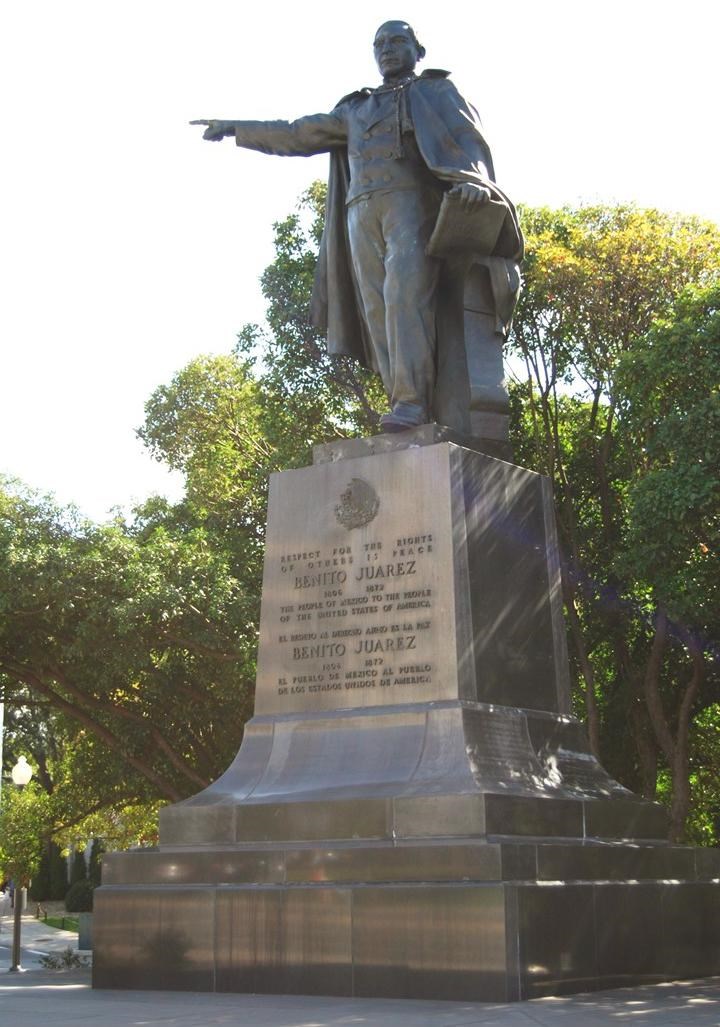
{"x":357,"y":608}
{"x":356,"y":617}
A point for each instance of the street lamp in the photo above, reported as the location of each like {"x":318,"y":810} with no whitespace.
{"x":21,"y":774}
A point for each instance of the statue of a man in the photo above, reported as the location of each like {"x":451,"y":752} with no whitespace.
{"x":396,"y":152}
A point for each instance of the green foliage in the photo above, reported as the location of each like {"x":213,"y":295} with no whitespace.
{"x":95,"y":867}
{"x":617,"y":332}
{"x":704,"y":819}
{"x":127,"y":649}
{"x":78,"y":868}
{"x":669,"y":389}
{"x":58,"y":873}
{"x":79,"y":898}
{"x":227,"y":422}
{"x":39,"y":890}
{"x":312,"y":397}
{"x":209,"y":424}
{"x":50,"y":881}
{"x":62,"y":923}
{"x":23,"y":821}
{"x":120,"y":629}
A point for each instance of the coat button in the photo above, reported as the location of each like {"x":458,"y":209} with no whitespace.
{"x":366,"y":135}
{"x":387,"y":178}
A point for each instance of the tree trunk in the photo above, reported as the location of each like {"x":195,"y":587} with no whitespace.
{"x":586,"y":669}
{"x":676,"y":749}
{"x":646,"y":749}
{"x":680,"y":805}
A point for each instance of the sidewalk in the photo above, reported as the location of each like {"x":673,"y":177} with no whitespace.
{"x":37,"y":939}
{"x":39,"y":998}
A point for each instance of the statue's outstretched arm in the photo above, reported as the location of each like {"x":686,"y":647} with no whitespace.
{"x":316,"y":133}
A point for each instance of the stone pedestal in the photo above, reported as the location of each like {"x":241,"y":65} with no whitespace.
{"x":413,"y":812}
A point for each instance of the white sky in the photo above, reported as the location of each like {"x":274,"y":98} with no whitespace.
{"x":129,"y":246}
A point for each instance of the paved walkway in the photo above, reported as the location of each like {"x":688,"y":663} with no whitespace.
{"x":42,"y":998}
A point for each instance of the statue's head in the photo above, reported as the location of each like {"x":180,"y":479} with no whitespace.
{"x":397,"y":49}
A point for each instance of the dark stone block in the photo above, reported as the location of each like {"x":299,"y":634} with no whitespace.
{"x":388,"y":864}
{"x":629,"y":932}
{"x":556,"y":936}
{"x":613,"y":862}
{"x":512,"y":563}
{"x":198,"y":825}
{"x":625,"y":818}
{"x":284,"y":941}
{"x":519,"y":862}
{"x":707,"y":864}
{"x":539,"y":818}
{"x":691,"y":929}
{"x":312,"y":821}
{"x":160,"y":939}
{"x":440,"y":815}
{"x":445,"y":942}
{"x":223,"y":866}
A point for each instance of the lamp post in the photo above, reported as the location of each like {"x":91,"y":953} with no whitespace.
{"x":21,"y":774}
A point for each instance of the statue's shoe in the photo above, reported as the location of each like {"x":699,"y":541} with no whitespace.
{"x":403,"y":416}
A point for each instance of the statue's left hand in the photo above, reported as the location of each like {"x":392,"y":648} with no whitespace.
{"x":471,"y":195}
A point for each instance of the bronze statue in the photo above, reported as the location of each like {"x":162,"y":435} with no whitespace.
{"x":418,"y":268}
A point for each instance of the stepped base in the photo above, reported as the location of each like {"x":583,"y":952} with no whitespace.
{"x":481,"y":921}
{"x":412,"y":813}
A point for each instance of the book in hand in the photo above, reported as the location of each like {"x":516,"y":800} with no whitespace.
{"x":475,"y":229}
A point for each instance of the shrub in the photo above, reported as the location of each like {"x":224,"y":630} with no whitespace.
{"x":79,"y":898}
{"x":68,"y":959}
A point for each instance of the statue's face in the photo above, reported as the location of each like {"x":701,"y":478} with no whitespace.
{"x":395,"y":49}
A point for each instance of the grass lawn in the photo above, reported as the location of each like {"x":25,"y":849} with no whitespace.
{"x":65,"y":923}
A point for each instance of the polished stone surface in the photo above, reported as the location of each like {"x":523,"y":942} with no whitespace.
{"x":425,"y":573}
{"x":440,"y":860}
{"x":357,"y":608}
{"x":421,"y":770}
{"x":485,"y":941}
{"x":378,"y":445}
{"x":413,"y":812}
{"x":39,"y":997}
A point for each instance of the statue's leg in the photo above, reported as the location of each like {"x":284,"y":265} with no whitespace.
{"x":367,"y":251}
{"x":397,"y":283}
{"x":410,"y":294}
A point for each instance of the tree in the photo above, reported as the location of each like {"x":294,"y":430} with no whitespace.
{"x":95,"y":866}
{"x":50,"y":881}
{"x":669,"y":396}
{"x":596,"y":280}
{"x":78,"y":869}
{"x":23,"y":817}
{"x":315,"y":395}
{"x":227,"y":422}
{"x":137,"y":633}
